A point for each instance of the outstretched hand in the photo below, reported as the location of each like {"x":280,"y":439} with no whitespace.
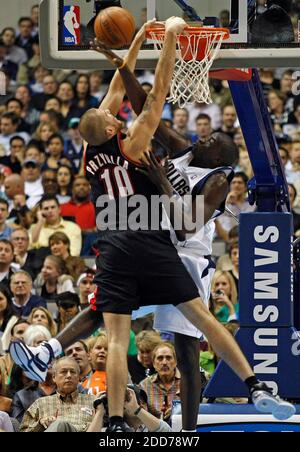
{"x":155,"y":170}
{"x":101,"y":47}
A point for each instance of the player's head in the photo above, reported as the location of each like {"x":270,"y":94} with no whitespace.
{"x":219,"y":150}
{"x":98,"y":126}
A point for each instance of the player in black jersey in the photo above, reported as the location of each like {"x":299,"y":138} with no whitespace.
{"x":136,"y":268}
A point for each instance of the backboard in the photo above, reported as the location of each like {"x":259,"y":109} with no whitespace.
{"x":260,"y":36}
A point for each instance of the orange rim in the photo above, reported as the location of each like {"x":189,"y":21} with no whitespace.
{"x":192,"y":31}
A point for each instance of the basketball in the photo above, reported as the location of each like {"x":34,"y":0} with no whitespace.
{"x":115,"y":27}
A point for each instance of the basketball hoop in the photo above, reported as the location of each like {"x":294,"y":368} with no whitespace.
{"x":196,"y":52}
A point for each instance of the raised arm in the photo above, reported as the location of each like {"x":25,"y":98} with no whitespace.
{"x":145,"y":126}
{"x":171,"y":141}
{"x":116,"y":92}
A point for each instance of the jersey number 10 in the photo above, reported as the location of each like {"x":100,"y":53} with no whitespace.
{"x":117,"y":182}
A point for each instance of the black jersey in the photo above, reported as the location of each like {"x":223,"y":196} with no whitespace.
{"x":117,"y":188}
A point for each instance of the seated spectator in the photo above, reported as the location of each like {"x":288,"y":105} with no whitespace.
{"x":16,"y":158}
{"x":142,"y":365}
{"x":36,"y":334}
{"x":285,"y":155}
{"x":50,"y":87}
{"x":74,"y":144}
{"x":98,"y":354}
{"x":180,"y":121}
{"x":60,"y":247}
{"x":212,"y":110}
{"x":136,"y":413}
{"x":49,"y":222}
{"x":9,"y":124}
{"x":292,"y":128}
{"x":96,"y":89}
{"x":237,"y":202}
{"x":36,"y":84}
{"x":14,"y":185}
{"x":292,"y":169}
{"x":28,"y":113}
{"x":42,"y":134}
{"x":16,"y":106}
{"x":24,"y":39}
{"x":224,"y":262}
{"x":203,"y":127}
{"x":53,"y":118}
{"x":86,"y":286}
{"x":224,"y":302}
{"x":6,"y":311}
{"x":55,"y":150}
{"x":244,"y":164}
{"x":49,"y":183}
{"x":34,"y":152}
{"x":277,"y":101}
{"x":229,"y":119}
{"x":24,"y":398}
{"x":23,"y":300}
{"x":81,"y":206}
{"x":6,"y":262}
{"x":16,"y":332}
{"x":10,"y":67}
{"x":41,"y":316}
{"x":68,"y":308}
{"x":66,"y":95}
{"x":14,"y":52}
{"x":53,"y":103}
{"x":53,"y":279}
{"x":33,"y":182}
{"x":296,"y":216}
{"x":29,"y":261}
{"x":83,"y":99}
{"x":80,"y":353}
{"x":65,"y":178}
{"x":163,"y":387}
{"x":5,"y":230}
{"x":66,"y":411}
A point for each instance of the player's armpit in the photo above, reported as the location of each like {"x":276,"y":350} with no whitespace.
{"x":215,"y":192}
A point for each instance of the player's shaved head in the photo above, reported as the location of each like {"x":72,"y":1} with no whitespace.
{"x":92,"y":127}
{"x":219,"y":150}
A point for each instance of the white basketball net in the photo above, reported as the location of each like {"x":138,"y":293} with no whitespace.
{"x":190,"y":81}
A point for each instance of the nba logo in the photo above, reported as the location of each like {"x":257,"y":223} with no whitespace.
{"x":71,"y":35}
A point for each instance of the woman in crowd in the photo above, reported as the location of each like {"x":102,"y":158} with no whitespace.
{"x":42,"y":134}
{"x":55,"y":148}
{"x":6,"y":311}
{"x":60,"y":247}
{"x":41,"y":316}
{"x":83,"y":99}
{"x":141,"y":365}
{"x":65,"y":178}
{"x":53,"y":279}
{"x":224,"y":302}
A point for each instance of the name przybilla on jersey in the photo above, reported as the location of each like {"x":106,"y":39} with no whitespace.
{"x":101,"y":160}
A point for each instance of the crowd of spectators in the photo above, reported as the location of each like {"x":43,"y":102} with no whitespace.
{"x":48,"y":227}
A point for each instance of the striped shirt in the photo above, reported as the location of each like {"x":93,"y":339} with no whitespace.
{"x":160,"y":398}
{"x":76,"y":409}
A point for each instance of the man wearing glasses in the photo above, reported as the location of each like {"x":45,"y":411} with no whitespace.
{"x":24,"y":302}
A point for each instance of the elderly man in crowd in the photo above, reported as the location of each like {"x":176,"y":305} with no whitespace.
{"x":24,"y":302}
{"x":65,"y":411}
{"x":163,"y":387}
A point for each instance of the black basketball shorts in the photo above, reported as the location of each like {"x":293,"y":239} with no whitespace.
{"x":137,"y":269}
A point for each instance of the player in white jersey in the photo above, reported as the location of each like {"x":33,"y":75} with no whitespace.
{"x":195,"y":252}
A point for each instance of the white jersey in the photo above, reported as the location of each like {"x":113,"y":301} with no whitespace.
{"x":195,"y":252}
